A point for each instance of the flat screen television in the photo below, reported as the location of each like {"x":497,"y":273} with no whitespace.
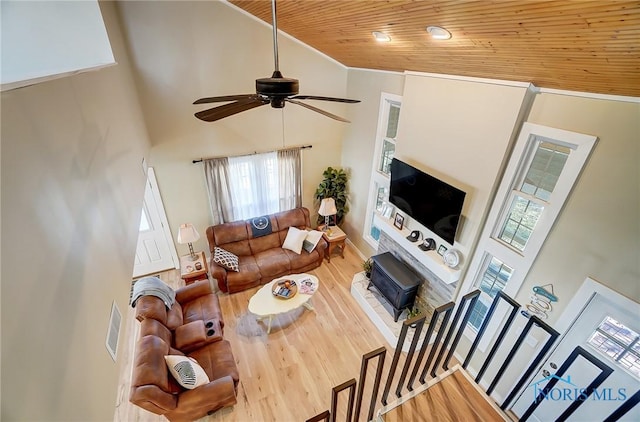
{"x":430,"y":201}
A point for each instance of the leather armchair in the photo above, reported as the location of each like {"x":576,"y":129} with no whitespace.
{"x":193,"y":302}
{"x":154,"y":389}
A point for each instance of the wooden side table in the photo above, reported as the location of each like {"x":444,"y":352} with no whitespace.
{"x":336,"y":239}
{"x":188,"y":271}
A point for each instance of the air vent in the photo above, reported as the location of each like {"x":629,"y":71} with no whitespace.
{"x":114,"y":331}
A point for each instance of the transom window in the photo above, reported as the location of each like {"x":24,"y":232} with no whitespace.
{"x":545,"y":170}
{"x":618,"y":342}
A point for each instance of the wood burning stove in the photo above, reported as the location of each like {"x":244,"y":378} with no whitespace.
{"x":395,"y":281}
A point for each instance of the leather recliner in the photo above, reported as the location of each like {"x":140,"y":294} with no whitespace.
{"x":193,"y":328}
{"x":261,"y":259}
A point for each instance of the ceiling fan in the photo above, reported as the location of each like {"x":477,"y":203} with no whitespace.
{"x":276,"y":90}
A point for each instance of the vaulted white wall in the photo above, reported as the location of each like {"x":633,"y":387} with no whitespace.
{"x":72,"y":186}
{"x":203,"y":49}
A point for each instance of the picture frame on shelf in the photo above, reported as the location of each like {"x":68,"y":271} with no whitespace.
{"x":441,"y":250}
{"x":398,"y":221}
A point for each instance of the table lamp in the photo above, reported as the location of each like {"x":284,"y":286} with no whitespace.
{"x":327,"y":209}
{"x":188,"y":234}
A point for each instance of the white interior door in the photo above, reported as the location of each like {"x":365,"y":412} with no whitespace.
{"x":618,"y":354}
{"x":155,"y":250}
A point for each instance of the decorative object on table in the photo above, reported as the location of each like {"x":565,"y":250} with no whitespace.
{"x":334,"y":185}
{"x":188,"y":234}
{"x":451,"y":258}
{"x":398,"y":221}
{"x":284,"y":289}
{"x":441,"y":250}
{"x":540,"y":303}
{"x":327,"y":209}
{"x":261,"y":226}
{"x":367,"y":266}
{"x":414,"y":236}
{"x":428,"y":245}
{"x":192,"y":271}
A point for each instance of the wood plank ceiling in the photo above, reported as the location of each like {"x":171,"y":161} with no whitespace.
{"x":577,"y":45}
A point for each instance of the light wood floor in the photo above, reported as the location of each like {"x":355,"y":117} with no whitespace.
{"x":286,"y":375}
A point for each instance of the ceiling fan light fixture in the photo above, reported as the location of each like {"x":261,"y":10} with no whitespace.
{"x":381,"y":36}
{"x":438,"y":33}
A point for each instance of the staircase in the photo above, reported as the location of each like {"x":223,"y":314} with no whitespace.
{"x":413,"y":390}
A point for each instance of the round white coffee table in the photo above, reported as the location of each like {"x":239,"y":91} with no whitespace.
{"x":264,"y":304}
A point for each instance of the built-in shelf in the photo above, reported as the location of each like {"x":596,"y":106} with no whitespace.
{"x":429,"y":259}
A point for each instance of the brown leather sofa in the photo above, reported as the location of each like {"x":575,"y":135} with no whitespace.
{"x":261,"y":259}
{"x":192,"y":327}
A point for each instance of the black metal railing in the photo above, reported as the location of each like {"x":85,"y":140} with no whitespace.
{"x":440,"y":347}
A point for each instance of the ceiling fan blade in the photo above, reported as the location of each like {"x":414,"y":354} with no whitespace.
{"x":313,"y":97}
{"x":220,"y":112}
{"x":224,"y":98}
{"x":316,"y":109}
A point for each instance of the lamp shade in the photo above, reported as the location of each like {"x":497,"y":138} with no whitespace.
{"x":327,"y":207}
{"x":187,"y":233}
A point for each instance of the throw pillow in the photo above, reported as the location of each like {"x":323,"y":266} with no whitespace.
{"x":186,"y":371}
{"x":294,"y":240}
{"x":225,"y":259}
{"x":311,"y":241}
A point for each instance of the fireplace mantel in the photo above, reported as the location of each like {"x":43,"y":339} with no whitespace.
{"x":429,"y":259}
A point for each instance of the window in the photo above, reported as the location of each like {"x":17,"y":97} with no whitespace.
{"x":388,"y":119}
{"x":254,"y":185}
{"x":618,"y":342}
{"x":247,"y":186}
{"x":537,"y":181}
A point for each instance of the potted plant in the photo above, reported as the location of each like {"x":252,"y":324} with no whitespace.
{"x":334,"y":185}
{"x":367,"y":266}
{"x":412,"y":313}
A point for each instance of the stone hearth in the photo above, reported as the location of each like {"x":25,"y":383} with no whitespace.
{"x":380,"y":312}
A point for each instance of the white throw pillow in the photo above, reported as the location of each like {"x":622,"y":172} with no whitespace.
{"x":294,"y":240}
{"x":186,"y":371}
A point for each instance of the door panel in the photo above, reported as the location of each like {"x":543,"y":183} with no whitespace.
{"x":619,"y":386}
{"x":154,"y":252}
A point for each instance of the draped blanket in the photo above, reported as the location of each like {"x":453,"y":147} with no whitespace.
{"x":261,"y":226}
{"x":153,"y":286}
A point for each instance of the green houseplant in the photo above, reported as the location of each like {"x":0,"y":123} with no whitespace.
{"x":333,"y":185}
{"x":367,"y":266}
{"x":412,"y":313}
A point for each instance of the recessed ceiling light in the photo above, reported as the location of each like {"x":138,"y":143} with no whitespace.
{"x":438,"y":33}
{"x":381,"y":36}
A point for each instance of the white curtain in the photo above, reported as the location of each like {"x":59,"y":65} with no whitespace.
{"x":290,"y":178}
{"x":219,"y":189}
{"x":253,"y":185}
